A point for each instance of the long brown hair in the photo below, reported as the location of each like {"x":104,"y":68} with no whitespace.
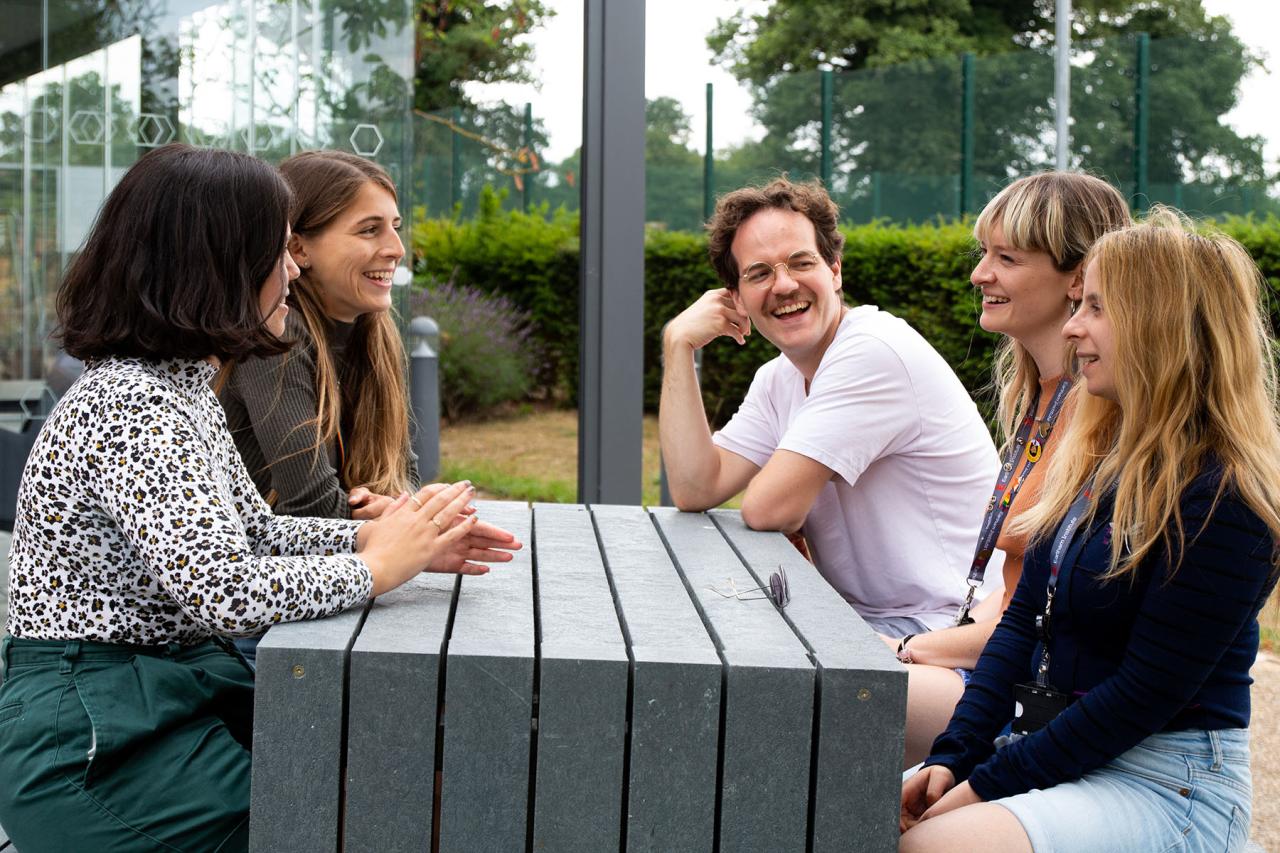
{"x":1195,"y":375}
{"x":324,"y":184}
{"x":1060,"y":214}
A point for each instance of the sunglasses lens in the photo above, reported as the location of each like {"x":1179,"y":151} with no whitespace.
{"x":778,"y":590}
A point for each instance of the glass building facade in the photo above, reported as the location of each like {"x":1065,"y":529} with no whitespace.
{"x":86,"y":88}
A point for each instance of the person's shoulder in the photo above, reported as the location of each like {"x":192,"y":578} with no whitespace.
{"x":870,"y":323}
{"x":120,"y":388}
{"x":248,"y":374}
{"x":867,"y":333}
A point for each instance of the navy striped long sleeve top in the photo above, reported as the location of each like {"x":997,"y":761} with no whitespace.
{"x":1144,"y":657}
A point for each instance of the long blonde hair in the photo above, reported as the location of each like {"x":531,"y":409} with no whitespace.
{"x":1194,"y":370}
{"x":324,"y":184}
{"x":1060,"y":214}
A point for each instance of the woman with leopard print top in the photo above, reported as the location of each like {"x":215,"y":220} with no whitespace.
{"x":140,"y":537}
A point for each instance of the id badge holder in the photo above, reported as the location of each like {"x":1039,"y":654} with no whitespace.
{"x":1034,"y":706}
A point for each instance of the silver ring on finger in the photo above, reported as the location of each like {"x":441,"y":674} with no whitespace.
{"x":416,"y":502}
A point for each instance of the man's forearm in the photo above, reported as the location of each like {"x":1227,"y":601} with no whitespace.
{"x":688,"y":454}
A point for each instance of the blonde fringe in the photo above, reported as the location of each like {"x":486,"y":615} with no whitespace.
{"x":1060,"y":214}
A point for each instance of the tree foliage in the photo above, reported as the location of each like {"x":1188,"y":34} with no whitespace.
{"x":896,"y":110}
{"x":461,"y":41}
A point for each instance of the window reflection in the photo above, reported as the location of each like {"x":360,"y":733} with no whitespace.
{"x":268,"y":77}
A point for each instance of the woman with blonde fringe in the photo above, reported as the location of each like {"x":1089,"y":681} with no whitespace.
{"x":1124,"y":655}
{"x":1032,"y":238}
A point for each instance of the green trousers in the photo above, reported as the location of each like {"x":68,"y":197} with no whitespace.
{"x":124,"y":748}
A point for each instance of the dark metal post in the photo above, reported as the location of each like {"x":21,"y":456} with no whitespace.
{"x":527,"y":179}
{"x":826,"y":128}
{"x":1142,"y":111}
{"x":424,"y":396}
{"x":611,"y":385}
{"x":708,"y":170}
{"x":966,"y":132}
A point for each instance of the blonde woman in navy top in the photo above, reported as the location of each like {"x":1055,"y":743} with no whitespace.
{"x":1124,"y":655}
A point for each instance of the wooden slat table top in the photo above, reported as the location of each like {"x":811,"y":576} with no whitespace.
{"x":489,"y":687}
{"x":598,"y":691}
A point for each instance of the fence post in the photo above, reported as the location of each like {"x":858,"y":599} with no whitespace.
{"x":708,"y":172}
{"x":455,"y":165}
{"x":826,"y":127}
{"x":1142,"y":110}
{"x":966,"y":132}
{"x":527,"y":181}
{"x":664,"y":493}
{"x":424,"y":396}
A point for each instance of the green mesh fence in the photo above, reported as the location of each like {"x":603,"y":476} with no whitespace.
{"x":913,"y":142}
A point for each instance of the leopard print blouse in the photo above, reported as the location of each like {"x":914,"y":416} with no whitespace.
{"x":138,"y":523}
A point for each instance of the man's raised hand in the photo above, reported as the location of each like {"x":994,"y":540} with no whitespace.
{"x":716,"y":313}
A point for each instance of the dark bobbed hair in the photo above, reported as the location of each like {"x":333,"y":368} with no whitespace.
{"x":176,"y":259}
{"x":735,"y":208}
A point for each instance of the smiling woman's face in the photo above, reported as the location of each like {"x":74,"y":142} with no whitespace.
{"x":351,"y":261}
{"x":274,"y":292}
{"x":1091,"y":331}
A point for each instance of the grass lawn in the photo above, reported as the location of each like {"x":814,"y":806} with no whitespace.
{"x":532,"y":456}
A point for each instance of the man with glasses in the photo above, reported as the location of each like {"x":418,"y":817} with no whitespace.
{"x":858,"y":435}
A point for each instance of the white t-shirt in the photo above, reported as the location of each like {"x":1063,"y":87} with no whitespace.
{"x":895,"y":529}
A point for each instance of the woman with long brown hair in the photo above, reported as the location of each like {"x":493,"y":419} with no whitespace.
{"x":1124,"y":656}
{"x":324,"y":428}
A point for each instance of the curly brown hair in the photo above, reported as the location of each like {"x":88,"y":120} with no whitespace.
{"x":735,"y":208}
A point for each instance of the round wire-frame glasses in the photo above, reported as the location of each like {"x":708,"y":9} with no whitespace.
{"x":762,"y":276}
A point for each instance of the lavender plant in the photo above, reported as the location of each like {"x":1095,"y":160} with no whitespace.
{"x":488,"y":351}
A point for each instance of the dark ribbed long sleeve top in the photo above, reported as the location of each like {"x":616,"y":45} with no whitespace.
{"x":1156,"y":655}
{"x":269,"y":401}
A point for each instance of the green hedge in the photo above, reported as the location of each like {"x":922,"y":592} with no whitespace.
{"x":920,"y":273}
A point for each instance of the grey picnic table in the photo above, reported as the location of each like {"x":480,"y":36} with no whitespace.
{"x":597,"y":693}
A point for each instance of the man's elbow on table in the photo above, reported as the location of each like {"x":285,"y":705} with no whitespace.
{"x":761,"y":512}
{"x":688,"y":502}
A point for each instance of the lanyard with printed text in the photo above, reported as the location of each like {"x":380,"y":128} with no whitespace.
{"x":1057,"y":557}
{"x":1007,"y":487}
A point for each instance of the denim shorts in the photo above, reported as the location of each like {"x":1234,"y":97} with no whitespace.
{"x":1186,"y":791}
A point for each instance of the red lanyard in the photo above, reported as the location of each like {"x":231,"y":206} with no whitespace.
{"x":1005,"y":490}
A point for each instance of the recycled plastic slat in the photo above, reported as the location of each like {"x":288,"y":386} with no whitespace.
{"x":768,"y":692}
{"x":862,"y":699}
{"x":299,"y":705}
{"x":489,"y":701}
{"x":391,"y":727}
{"x":582,"y":689}
{"x":675,"y":705}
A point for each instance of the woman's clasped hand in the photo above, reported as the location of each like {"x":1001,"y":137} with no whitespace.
{"x":435,"y":530}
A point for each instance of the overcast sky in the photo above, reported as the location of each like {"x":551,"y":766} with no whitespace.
{"x":678,"y":64}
